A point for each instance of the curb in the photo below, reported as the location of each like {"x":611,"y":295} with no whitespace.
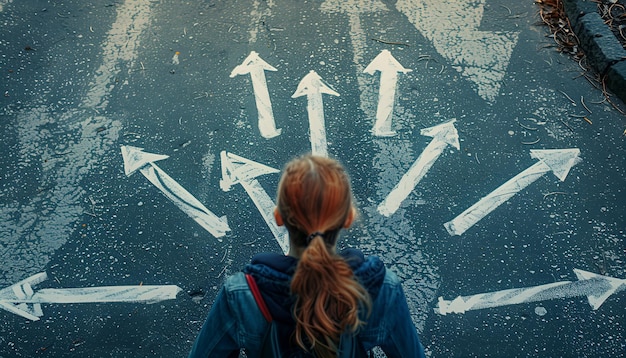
{"x":603,"y":50}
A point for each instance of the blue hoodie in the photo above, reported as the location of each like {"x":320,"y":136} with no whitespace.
{"x":235,"y":322}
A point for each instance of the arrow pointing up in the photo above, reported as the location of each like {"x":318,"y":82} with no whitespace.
{"x":596,"y":287}
{"x":389,"y":68}
{"x":21,"y":299}
{"x":558,"y":161}
{"x":312,"y":86}
{"x":136,"y":159}
{"x":452,"y":26}
{"x":256,"y":67}
{"x":239,"y":170}
{"x":443,"y":135}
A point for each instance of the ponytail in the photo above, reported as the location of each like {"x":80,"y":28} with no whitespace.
{"x":328,"y":299}
{"x":315,"y":201}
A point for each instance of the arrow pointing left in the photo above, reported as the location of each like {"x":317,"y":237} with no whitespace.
{"x":136,"y":159}
{"x":443,"y":135}
{"x":388,"y":67}
{"x":312,"y":86}
{"x":558,"y":161}
{"x":256,"y":67}
{"x":239,"y":170}
{"x":21,"y":299}
{"x":596,"y":287}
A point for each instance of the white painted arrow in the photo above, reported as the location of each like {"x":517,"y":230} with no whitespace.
{"x":558,"y":161}
{"x":21,"y":299}
{"x":389,"y":68}
{"x":596,"y":287}
{"x":452,"y":26}
{"x":136,"y":159}
{"x":313,"y":87}
{"x":443,"y":135}
{"x":360,"y":39}
{"x":256,"y":67}
{"x":239,"y":170}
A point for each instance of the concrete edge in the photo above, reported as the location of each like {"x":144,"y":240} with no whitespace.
{"x":603,"y":50}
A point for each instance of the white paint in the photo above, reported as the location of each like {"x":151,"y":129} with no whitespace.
{"x":596,"y":287}
{"x":30,"y":234}
{"x":358,"y":39}
{"x":239,"y":170}
{"x":443,"y":135}
{"x":3,"y":3}
{"x":136,"y":159}
{"x":312,"y":86}
{"x":256,"y":18}
{"x":256,"y":67}
{"x":351,"y":7}
{"x":559,"y":161}
{"x":400,"y":238}
{"x":20,"y":298}
{"x":452,"y":26}
{"x":388,"y":67}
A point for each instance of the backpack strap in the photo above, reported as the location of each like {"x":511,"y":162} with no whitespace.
{"x":258,"y":298}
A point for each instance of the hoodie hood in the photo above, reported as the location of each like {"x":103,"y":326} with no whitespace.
{"x":273,"y":272}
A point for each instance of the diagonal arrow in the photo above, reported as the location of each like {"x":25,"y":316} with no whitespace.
{"x":558,"y":161}
{"x":596,"y":287}
{"x":443,"y":135}
{"x":388,"y":67}
{"x":256,"y":67}
{"x":136,"y":159}
{"x":452,"y":26}
{"x":239,"y":170}
{"x":21,"y":299}
{"x":312,"y":86}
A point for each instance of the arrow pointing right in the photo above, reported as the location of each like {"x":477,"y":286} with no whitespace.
{"x":256,"y":67}
{"x":389,"y":68}
{"x":136,"y":159}
{"x":596,"y":287}
{"x":559,"y":161}
{"x":239,"y":170}
{"x":312,"y":86}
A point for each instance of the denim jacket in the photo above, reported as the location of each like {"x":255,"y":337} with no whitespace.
{"x":235,"y":322}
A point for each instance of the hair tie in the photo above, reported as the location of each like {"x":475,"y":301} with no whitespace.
{"x":313,"y":236}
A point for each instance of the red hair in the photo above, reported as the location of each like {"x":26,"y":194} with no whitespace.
{"x":315,"y":200}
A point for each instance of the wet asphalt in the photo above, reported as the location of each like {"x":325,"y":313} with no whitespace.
{"x":79,"y":81}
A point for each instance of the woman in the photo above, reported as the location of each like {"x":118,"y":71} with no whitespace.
{"x":314,"y":294}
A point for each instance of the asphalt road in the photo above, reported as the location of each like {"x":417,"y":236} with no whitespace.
{"x":482,"y":207}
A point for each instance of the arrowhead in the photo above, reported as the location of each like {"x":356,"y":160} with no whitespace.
{"x":560,"y":161}
{"x":453,"y":28}
{"x":445,"y":132}
{"x":385,"y":62}
{"x":22,"y":290}
{"x":311,"y":84}
{"x":597,"y":299}
{"x":8,"y":292}
{"x":253,"y":61}
{"x":236,"y":168}
{"x":458,"y":305}
{"x":135,"y":158}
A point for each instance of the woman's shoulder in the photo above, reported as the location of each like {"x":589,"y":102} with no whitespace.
{"x":236,"y":282}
